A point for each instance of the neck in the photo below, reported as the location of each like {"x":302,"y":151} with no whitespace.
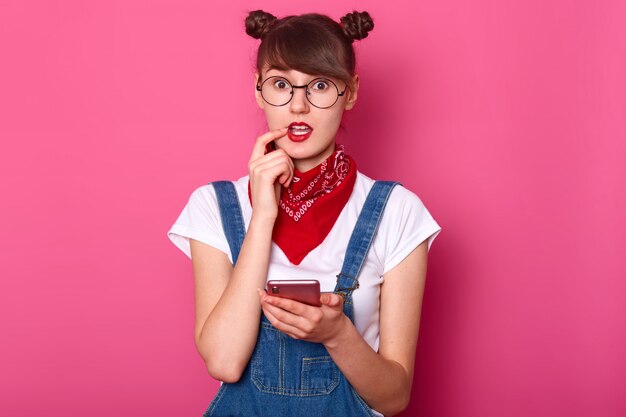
{"x":304,"y":165}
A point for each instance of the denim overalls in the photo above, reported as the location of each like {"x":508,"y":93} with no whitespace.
{"x":286,"y":376}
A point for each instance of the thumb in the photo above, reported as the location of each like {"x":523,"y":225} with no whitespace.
{"x":331,"y":299}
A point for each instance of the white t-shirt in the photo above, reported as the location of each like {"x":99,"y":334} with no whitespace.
{"x":404,"y":225}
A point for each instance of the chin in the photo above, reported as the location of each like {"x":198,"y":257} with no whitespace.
{"x":297,"y":152}
{"x":302,"y":150}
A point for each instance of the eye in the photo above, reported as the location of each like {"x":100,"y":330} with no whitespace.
{"x":320,"y":85}
{"x":281,"y":84}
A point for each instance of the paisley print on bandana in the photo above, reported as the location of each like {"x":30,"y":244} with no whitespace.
{"x":309,"y":208}
{"x":297,"y":205}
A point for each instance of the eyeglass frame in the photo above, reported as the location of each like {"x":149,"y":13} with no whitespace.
{"x":259,"y":87}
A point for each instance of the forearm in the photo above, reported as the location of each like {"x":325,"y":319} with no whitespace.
{"x":382,"y":383}
{"x":229,"y":333}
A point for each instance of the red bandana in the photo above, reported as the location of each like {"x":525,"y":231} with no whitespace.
{"x":309,"y":208}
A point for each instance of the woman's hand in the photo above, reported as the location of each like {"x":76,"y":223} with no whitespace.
{"x":302,"y":321}
{"x":267,"y":173}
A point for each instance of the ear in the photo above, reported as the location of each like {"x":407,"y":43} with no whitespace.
{"x":257,"y":94}
{"x":352,"y":92}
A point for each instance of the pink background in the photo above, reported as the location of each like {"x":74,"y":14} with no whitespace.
{"x":506,"y":118}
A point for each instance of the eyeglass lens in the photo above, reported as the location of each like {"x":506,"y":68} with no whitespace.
{"x":321,"y":92}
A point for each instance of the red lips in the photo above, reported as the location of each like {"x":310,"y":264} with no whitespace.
{"x":299,"y":137}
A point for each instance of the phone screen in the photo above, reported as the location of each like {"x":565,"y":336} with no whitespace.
{"x":304,"y":291}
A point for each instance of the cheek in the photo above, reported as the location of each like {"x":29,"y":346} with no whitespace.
{"x":329,"y":118}
{"x":334,"y":120}
{"x":273,"y":119}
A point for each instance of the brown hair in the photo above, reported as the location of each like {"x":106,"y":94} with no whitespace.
{"x":312,"y":43}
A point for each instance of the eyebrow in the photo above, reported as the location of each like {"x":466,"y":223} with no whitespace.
{"x":277,"y":68}
{"x":283,"y":71}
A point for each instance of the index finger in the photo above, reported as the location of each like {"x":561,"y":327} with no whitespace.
{"x":259,"y":147}
{"x":287,"y":304}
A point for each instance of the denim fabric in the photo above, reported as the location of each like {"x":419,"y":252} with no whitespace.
{"x":286,"y":376}
{"x":230,"y":212}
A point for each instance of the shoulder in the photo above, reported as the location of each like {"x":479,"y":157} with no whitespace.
{"x":400,"y":199}
{"x":406,"y":218}
{"x":205,"y":195}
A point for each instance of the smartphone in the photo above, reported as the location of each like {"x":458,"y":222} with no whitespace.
{"x":306,"y":291}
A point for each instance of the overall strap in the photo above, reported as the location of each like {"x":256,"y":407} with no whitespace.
{"x":361,"y":240}
{"x":232,"y":219}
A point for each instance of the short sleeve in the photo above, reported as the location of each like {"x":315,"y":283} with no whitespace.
{"x":405,"y":224}
{"x":200,"y":220}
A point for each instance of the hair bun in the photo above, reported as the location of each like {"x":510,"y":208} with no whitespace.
{"x":258,"y":23}
{"x":357,"y":24}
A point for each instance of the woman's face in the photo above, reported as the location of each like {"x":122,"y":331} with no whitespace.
{"x":306,"y":152}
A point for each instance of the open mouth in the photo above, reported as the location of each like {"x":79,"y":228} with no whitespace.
{"x":299,"y":131}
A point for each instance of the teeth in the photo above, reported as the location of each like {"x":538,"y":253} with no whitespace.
{"x":300,"y":133}
{"x":300,"y":127}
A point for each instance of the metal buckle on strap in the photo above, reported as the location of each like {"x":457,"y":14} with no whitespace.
{"x":343,"y":291}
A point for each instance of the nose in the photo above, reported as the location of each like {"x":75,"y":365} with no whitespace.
{"x":299,"y":103}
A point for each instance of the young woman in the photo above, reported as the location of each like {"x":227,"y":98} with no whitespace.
{"x":304,"y":211}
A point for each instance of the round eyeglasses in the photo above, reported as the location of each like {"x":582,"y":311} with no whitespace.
{"x":321,"y":92}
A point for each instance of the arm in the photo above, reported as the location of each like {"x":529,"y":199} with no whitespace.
{"x":227,"y":305}
{"x":385,"y":382}
{"x":382,"y":379}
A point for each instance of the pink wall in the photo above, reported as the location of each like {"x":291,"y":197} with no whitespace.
{"x":506,"y":118}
